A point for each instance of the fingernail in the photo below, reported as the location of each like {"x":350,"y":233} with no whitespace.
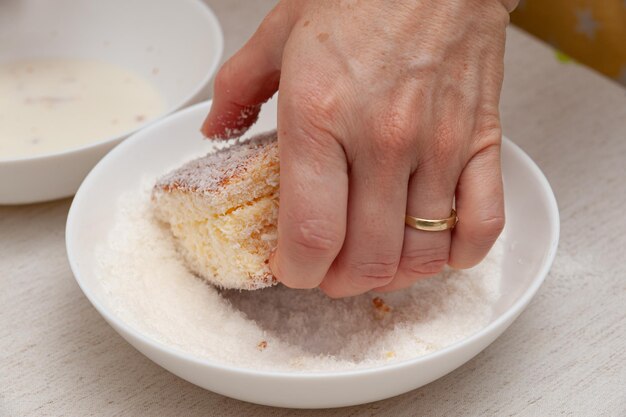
{"x":207,"y":128}
{"x":272,"y":263}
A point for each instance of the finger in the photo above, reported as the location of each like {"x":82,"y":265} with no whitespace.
{"x":248,"y":79}
{"x":480,"y":207}
{"x":432,"y":186}
{"x":373,"y":245}
{"x":425,"y":253}
{"x":313,"y":196}
{"x":479,"y":194}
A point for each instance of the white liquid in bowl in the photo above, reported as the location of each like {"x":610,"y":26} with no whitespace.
{"x":50,"y":105}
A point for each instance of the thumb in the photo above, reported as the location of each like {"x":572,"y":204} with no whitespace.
{"x":248,"y":79}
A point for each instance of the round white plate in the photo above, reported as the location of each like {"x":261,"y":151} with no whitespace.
{"x":182,"y":38}
{"x":532,"y":223}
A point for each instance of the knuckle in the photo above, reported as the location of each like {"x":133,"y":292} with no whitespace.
{"x":426,"y":268}
{"x":314,"y":107}
{"x":315,"y":238}
{"x":487,"y":229}
{"x":380,"y":270}
{"x":316,"y":115}
{"x":504,"y":16}
{"x":425,"y":261}
{"x":445,"y":150}
{"x":394,"y":132}
{"x":446,"y":144}
{"x":488,"y":130}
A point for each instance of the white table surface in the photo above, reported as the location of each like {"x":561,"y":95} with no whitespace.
{"x":565,"y":355}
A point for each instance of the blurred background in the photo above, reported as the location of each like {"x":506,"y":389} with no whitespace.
{"x":592,"y":32}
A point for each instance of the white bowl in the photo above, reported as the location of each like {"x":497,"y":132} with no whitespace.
{"x":182,"y":38}
{"x":532,"y":222}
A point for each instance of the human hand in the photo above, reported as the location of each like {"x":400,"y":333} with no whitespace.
{"x":386,"y":108}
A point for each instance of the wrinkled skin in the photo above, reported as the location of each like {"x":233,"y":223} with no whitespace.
{"x":386,"y":108}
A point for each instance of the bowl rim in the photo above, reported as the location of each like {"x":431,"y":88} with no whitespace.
{"x":507,"y":317}
{"x":213,"y":23}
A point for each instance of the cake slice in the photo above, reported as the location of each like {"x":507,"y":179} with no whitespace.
{"x":222,"y":210}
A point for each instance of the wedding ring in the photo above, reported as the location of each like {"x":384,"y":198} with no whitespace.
{"x":432,"y":225}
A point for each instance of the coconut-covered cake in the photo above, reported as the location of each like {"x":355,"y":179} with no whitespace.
{"x":222,"y":210}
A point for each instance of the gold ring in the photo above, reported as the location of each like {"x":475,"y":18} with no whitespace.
{"x":432,"y":225}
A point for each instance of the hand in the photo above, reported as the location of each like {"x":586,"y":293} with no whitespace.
{"x":386,"y":108}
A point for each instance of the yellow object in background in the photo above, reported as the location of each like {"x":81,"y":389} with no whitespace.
{"x":591,"y":31}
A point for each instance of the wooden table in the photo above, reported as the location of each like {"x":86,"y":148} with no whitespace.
{"x":566,"y":355}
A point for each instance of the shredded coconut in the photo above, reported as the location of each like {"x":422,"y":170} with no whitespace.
{"x":201,"y":174}
{"x":148,"y":287}
{"x":247,"y":116}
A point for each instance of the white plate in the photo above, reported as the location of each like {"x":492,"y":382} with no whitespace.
{"x":182,"y":38}
{"x":532,"y":222}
